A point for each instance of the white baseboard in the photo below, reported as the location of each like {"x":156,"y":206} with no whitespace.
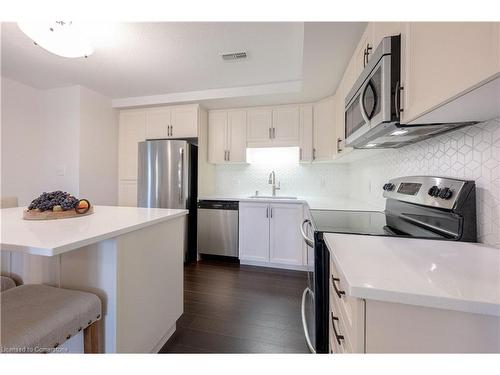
{"x":273,"y":265}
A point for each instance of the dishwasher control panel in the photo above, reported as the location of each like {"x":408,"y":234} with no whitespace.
{"x":218,"y":205}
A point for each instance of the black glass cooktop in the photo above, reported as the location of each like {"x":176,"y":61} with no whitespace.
{"x":357,"y":222}
{"x":377,"y":223}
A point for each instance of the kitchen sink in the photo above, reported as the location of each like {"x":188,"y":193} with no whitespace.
{"x":270,"y":197}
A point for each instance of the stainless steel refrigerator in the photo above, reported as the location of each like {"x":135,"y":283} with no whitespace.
{"x":167,"y":178}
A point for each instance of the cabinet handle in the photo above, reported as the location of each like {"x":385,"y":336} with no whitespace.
{"x":267,"y":212}
{"x":314,"y":154}
{"x":269,"y":133}
{"x":364,"y":58}
{"x":397,"y":99}
{"x":274,"y":133}
{"x":300,"y":153}
{"x":339,"y":141}
{"x":338,"y":337}
{"x":271,"y":212}
{"x":339,"y":292}
{"x":228,"y":155}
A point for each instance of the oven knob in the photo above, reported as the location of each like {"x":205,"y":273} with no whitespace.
{"x":445,"y":193}
{"x":434,"y":191}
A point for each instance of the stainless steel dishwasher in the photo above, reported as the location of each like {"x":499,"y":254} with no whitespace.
{"x":218,"y":227}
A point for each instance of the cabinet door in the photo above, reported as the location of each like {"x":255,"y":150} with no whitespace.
{"x":306,"y":133}
{"x":132,"y":131}
{"x":286,"y":125}
{"x":217,"y":137}
{"x":237,"y":136}
{"x":157,"y":122}
{"x":184,"y":121}
{"x":324,"y":130}
{"x":444,"y":59}
{"x":285,"y":238}
{"x":127,"y":193}
{"x":254,"y":231}
{"x":259,"y":125}
{"x":364,"y":51}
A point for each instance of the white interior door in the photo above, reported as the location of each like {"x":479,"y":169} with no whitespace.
{"x":285,"y":238}
{"x":254,"y":231}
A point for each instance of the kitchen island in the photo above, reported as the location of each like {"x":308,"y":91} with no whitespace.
{"x":132,"y":258}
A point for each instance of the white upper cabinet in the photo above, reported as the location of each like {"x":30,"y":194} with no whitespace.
{"x":217,"y":134}
{"x":132,"y":131}
{"x":382,"y":29}
{"x":237,"y":136}
{"x":306,"y":133}
{"x":184,"y":121}
{"x":259,"y":125}
{"x":364,"y":51}
{"x":273,"y":126}
{"x":285,"y":238}
{"x":157,"y":123}
{"x":445,"y":59}
{"x":324,"y":134}
{"x":285,"y":128}
{"x":227,"y":136}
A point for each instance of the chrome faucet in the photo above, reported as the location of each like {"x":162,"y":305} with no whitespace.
{"x":272,"y":181}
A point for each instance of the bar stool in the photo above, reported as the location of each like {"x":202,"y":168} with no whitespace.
{"x":37,"y":318}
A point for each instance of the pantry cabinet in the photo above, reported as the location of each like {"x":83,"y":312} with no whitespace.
{"x":445,"y":59}
{"x":270,"y":234}
{"x":227,"y":137}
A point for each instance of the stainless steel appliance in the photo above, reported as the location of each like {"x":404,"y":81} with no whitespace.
{"x":373,"y":106}
{"x":167,"y":178}
{"x":218,"y":227}
{"x":416,"y":207}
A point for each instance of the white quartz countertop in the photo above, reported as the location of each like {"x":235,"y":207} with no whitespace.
{"x":53,"y":237}
{"x":314,"y":203}
{"x":448,"y":275}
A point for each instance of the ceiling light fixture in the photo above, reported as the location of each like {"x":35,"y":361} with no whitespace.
{"x":62,"y":38}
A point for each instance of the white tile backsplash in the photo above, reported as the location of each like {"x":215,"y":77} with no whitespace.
{"x":471,"y":153}
{"x":468,"y":153}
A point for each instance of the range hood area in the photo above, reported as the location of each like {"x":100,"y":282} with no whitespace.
{"x":481,"y":103}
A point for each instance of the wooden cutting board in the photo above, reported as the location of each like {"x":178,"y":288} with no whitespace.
{"x":51,"y":215}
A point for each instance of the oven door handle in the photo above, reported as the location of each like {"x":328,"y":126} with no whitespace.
{"x":310,"y":346}
{"x":307,"y":240}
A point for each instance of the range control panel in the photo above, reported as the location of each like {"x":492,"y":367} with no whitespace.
{"x":425,"y":190}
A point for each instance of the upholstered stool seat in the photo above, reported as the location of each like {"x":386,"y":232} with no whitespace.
{"x":6,"y":283}
{"x":41,"y":316}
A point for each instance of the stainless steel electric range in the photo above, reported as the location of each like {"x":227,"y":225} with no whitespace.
{"x":416,"y":207}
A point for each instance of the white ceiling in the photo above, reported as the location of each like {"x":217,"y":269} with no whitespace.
{"x":288,"y":61}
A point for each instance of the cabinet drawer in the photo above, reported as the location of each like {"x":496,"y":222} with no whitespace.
{"x":350,"y":310}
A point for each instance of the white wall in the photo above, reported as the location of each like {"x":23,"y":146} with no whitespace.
{"x":98,"y":154}
{"x":59,"y":139}
{"x":37,"y":127}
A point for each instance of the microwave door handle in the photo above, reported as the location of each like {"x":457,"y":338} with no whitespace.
{"x":362,"y":104}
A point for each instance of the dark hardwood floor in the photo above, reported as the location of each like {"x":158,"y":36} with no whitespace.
{"x":230,"y":308}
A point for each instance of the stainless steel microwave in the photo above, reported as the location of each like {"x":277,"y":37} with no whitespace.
{"x":375,"y":97}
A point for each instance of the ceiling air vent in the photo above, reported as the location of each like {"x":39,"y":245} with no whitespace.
{"x":234,"y":56}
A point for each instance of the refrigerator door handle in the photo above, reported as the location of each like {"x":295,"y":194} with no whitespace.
{"x":304,"y":322}
{"x":181,"y":175}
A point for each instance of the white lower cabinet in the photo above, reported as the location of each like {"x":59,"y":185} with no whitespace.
{"x":368,"y":326}
{"x":270,"y":234}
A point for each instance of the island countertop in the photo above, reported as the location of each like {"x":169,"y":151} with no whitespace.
{"x":54,"y":237}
